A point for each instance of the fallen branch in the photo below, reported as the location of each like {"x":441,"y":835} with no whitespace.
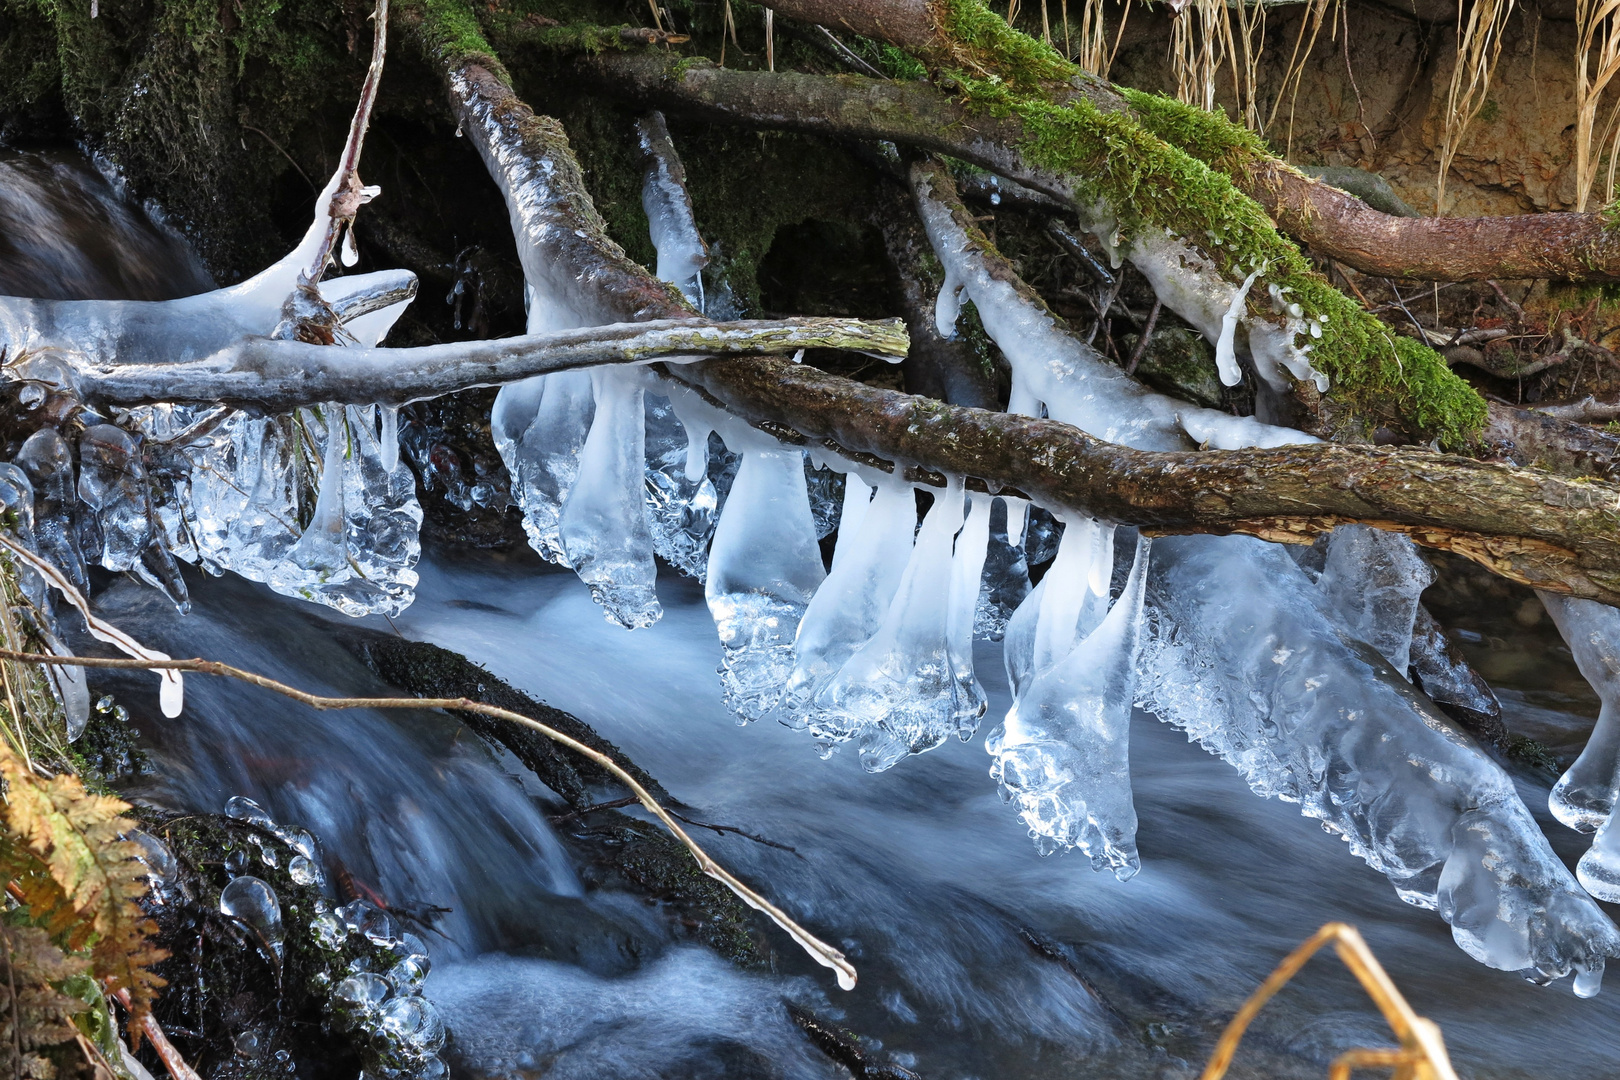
{"x":1523,"y":525}
{"x":276,"y":376}
{"x":818,"y":950}
{"x":1588,"y":410}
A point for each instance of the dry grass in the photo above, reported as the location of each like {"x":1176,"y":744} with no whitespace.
{"x":1479,"y":46}
{"x":1597,"y":60}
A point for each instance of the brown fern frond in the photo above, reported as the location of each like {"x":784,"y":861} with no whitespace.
{"x":84,"y":882}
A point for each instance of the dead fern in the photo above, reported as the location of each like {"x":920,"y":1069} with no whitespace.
{"x":35,"y":1014}
{"x":63,"y":857}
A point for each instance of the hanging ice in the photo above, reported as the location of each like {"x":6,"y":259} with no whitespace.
{"x":905,"y":690}
{"x":1313,"y":718}
{"x":48,"y":461}
{"x":1063,"y":753}
{"x":683,"y":499}
{"x":539,"y":426}
{"x":604,"y":530}
{"x":682,"y":254}
{"x":1585,"y":797}
{"x":850,"y":605}
{"x":1373,"y":580}
{"x":763,"y":568}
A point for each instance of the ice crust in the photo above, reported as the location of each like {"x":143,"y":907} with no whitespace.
{"x":1373,"y":580}
{"x":1312,"y":716}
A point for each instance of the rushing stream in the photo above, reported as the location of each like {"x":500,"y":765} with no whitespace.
{"x":977,"y":957}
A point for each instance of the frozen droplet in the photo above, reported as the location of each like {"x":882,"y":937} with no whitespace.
{"x":409,"y":973}
{"x":31,"y":396}
{"x":121,"y":714}
{"x":268,"y":856}
{"x":105,"y":704}
{"x":350,"y":251}
{"x":303,"y":870}
{"x":299,"y":840}
{"x":416,"y":1022}
{"x":368,"y":919}
{"x":357,"y":997}
{"x":247,"y":1044}
{"x":155,"y":854}
{"x":411,"y":947}
{"x":254,"y":902}
{"x":329,"y":931}
{"x":237,"y":862}
{"x":245,"y":809}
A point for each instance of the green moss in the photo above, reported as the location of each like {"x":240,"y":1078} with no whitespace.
{"x":449,"y":29}
{"x":1129,"y":162}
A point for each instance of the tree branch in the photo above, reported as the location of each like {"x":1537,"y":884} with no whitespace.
{"x":276,"y":376}
{"x":1523,"y":525}
{"x":1527,"y":526}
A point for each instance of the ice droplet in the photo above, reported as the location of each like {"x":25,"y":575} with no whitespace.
{"x":254,"y":902}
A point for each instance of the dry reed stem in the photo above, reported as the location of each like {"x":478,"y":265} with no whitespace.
{"x":819,"y":951}
{"x":1422,"y":1053}
{"x":1479,"y":46}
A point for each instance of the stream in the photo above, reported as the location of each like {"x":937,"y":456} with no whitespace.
{"x":977,"y":958}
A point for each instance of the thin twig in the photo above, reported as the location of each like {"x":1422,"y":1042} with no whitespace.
{"x":818,"y":950}
{"x":849,"y":55}
{"x":347,"y":196}
{"x":1401,"y":303}
{"x":1142,"y":343}
{"x":171,"y":1058}
{"x":740,"y":832}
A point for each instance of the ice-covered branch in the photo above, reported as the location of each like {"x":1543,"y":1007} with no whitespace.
{"x":276,"y":376}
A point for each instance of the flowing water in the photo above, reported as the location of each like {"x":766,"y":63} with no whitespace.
{"x":977,"y":957}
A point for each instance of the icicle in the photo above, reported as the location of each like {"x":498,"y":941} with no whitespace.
{"x":604,"y":530}
{"x":112,"y":484}
{"x":764,"y":566}
{"x":1373,"y":580}
{"x":539,"y":427}
{"x":681,"y":509}
{"x":1225,"y":351}
{"x":321,"y":548}
{"x":967,"y":571}
{"x":1063,"y":753}
{"x":948,"y":305}
{"x":682,"y":254}
{"x":1006,"y":578}
{"x":1585,"y":796}
{"x":849,"y":606}
{"x":857,"y":499}
{"x":48,"y":461}
{"x":899,"y":693}
{"x":388,"y":439}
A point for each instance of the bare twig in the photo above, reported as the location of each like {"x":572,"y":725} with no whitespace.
{"x":817,"y":949}
{"x":349,"y":195}
{"x":1142,"y":342}
{"x":1422,"y":1049}
{"x":172,"y":1061}
{"x":1588,"y":410}
{"x":849,"y":55}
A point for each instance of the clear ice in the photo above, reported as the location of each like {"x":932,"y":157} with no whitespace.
{"x":1585,"y":796}
{"x":1063,"y":753}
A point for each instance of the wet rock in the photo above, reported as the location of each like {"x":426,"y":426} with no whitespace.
{"x":1179,"y":362}
{"x":418,"y":667}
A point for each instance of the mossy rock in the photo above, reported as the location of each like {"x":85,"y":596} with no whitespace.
{"x":1178,"y":361}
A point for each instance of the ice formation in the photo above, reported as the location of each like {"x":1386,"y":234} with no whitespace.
{"x":1318,"y":719}
{"x":1063,"y":753}
{"x":1372,"y":580}
{"x":1585,"y":796}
